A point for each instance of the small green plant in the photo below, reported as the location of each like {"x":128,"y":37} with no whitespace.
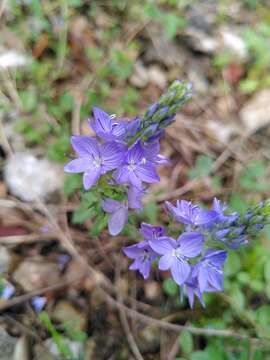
{"x":257,"y":41}
{"x":61,"y":340}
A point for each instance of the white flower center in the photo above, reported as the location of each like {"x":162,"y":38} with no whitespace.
{"x":132,"y":165}
{"x":97,"y":162}
{"x":176,"y":252}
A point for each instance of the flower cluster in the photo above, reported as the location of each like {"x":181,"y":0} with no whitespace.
{"x":196,"y":258}
{"x":124,"y":155}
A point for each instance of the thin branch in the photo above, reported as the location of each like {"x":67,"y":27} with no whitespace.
{"x":123,"y":317}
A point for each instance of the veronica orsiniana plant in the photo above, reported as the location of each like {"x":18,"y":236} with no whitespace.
{"x":197,"y":256}
{"x":120,"y":162}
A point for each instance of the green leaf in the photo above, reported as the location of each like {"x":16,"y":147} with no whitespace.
{"x":254,"y":177}
{"x":267,"y":271}
{"x":72,"y":183}
{"x":203,"y":167}
{"x":151,"y":212}
{"x":233,"y":264}
{"x":186,"y":341}
{"x":29,"y":100}
{"x":99,"y":224}
{"x":237,"y":203}
{"x":200,"y":355}
{"x":170,"y":287}
{"x":238,"y":297}
{"x":57,"y":150}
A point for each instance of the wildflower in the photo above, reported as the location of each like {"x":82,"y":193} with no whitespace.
{"x":175,"y":253}
{"x":7,"y":291}
{"x":94,"y":159}
{"x":220,"y":208}
{"x":136,"y":169}
{"x":190,"y":288}
{"x":151,"y":152}
{"x":135,"y":197}
{"x":143,"y":257}
{"x":187,"y":213}
{"x":106,"y":127}
{"x":118,"y":215}
{"x":209,"y":270}
{"x":38,"y":302}
{"x":151,"y":233}
{"x":142,"y":254}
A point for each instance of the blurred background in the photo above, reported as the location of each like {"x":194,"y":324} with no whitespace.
{"x":57,"y":60}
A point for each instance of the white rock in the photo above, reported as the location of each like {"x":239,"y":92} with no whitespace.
{"x":34,"y":274}
{"x":29,"y":177}
{"x":201,"y":41}
{"x":12,"y":59}
{"x":233,"y":42}
{"x":7,"y":345}
{"x":157,"y":76}
{"x":75,"y":347}
{"x":256,"y":113}
{"x":140,"y":77}
{"x":221,"y":131}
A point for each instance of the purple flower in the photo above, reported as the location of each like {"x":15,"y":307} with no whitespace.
{"x":135,"y":197}
{"x":190,"y":288}
{"x":209,"y":271}
{"x":151,"y":151}
{"x":189,"y":214}
{"x":151,"y":233}
{"x":220,"y":208}
{"x":118,"y":215}
{"x":136,"y":169}
{"x":62,"y":260}
{"x":38,"y":302}
{"x":143,"y":257}
{"x":8,"y":291}
{"x":106,"y":127}
{"x":94,"y":159}
{"x":132,"y":127}
{"x":175,"y":253}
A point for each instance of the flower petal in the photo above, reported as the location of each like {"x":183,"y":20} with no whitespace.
{"x":134,"y":179}
{"x":110,"y":205}
{"x":135,"y":153}
{"x":134,"y":197}
{"x":103,"y":122}
{"x":77,"y":165}
{"x":90,"y":177}
{"x":191,"y":243}
{"x":132,"y":251}
{"x":147,"y":173}
{"x":190,"y":295}
{"x":85,"y":146}
{"x":163,"y":245}
{"x":203,"y":217}
{"x":117,"y":221}
{"x":180,"y":270}
{"x":203,"y":279}
{"x":112,"y":154}
{"x":215,"y":279}
{"x":216,"y":257}
{"x":121,"y":175}
{"x":165,"y":262}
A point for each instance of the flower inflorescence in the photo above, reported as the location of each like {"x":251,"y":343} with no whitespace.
{"x":118,"y":164}
{"x":196,"y":258}
{"x":124,"y":155}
